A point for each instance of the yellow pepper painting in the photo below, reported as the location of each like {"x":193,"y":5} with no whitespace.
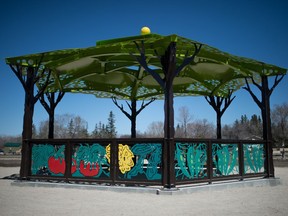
{"x":125,"y":157}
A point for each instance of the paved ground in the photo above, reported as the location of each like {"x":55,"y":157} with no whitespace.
{"x":10,"y":160}
{"x":28,"y":201}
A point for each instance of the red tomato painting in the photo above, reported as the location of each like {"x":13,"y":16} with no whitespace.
{"x":56,"y":165}
{"x":89,"y":169}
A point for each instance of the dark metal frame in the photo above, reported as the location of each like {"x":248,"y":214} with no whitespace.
{"x":167,"y":177}
{"x":171,"y":69}
{"x":114,"y":180}
{"x":210,"y":178}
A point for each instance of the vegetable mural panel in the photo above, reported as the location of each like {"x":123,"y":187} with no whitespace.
{"x":142,"y":161}
{"x":254,"y":157}
{"x":91,"y":160}
{"x":48,"y":160}
{"x":225,"y":159}
{"x":191,"y":161}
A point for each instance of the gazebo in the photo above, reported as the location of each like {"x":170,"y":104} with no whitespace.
{"x":140,"y":68}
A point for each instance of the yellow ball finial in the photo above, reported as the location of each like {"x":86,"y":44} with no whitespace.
{"x":145,"y":30}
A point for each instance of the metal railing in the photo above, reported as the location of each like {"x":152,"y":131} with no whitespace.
{"x":144,"y":161}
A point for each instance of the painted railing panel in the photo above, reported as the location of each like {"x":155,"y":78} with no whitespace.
{"x":91,"y":160}
{"x":48,"y":160}
{"x":141,"y":161}
{"x":254,"y":157}
{"x":225,"y":159}
{"x":190,"y":160}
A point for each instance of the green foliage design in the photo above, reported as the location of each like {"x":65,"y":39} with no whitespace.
{"x":90,"y":155}
{"x":190,"y":160}
{"x":148,"y":161}
{"x":40,"y":156}
{"x":253,"y":158}
{"x":225,"y":158}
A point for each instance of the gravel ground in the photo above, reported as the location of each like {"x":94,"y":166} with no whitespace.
{"x":260,"y":200}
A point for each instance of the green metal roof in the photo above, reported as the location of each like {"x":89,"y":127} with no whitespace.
{"x":110,"y":68}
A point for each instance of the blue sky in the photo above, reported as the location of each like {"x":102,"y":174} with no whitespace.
{"x":251,"y":28}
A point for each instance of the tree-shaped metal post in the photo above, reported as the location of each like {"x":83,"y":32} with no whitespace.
{"x":50,"y":108}
{"x":264,"y":105}
{"x":29,"y":76}
{"x":217,"y":103}
{"x":170,"y":70}
{"x":134,"y":112}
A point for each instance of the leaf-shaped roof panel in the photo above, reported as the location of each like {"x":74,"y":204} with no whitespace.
{"x":111,"y":69}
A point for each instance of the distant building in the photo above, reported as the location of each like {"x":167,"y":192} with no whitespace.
{"x":12,"y":148}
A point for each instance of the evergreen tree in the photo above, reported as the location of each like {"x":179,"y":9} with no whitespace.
{"x":71,"y":129}
{"x":255,"y":126}
{"x":244,"y":119}
{"x":95,"y":132}
{"x":179,"y":131}
{"x":111,"y":129}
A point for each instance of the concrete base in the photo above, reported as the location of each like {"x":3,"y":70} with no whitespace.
{"x":216,"y":186}
{"x":84,"y":186}
{"x":186,"y":189}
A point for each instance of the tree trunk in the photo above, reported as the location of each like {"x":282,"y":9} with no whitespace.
{"x":169,"y":114}
{"x":51,"y":124}
{"x":267,"y":131}
{"x":133,"y":118}
{"x":219,"y":127}
{"x":27,"y":124}
{"x":169,"y":67}
{"x":169,"y":138}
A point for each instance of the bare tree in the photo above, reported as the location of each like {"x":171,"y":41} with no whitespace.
{"x":280,"y":122}
{"x":60,"y":125}
{"x":66,"y":126}
{"x":201,"y":129}
{"x":80,"y":127}
{"x":43,"y":129}
{"x":184,"y":119}
{"x":155,"y":129}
